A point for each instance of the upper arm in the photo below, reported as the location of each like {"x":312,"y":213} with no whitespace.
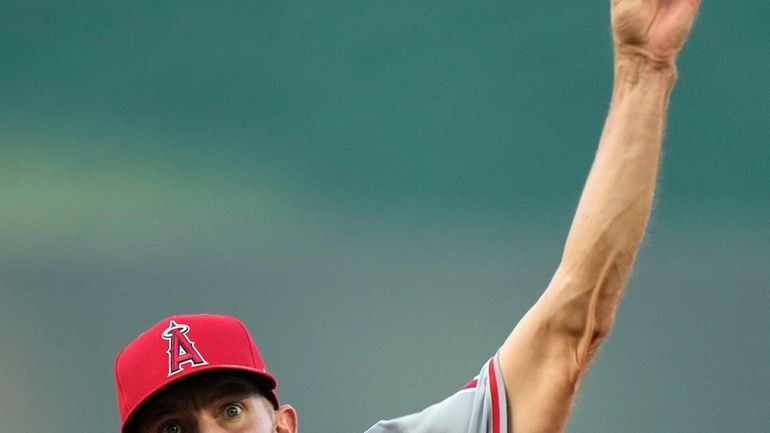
{"x":544,"y":357}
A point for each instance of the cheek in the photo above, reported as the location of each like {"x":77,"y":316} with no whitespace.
{"x":267,"y":423}
{"x":257,"y":423}
{"x":257,"y":426}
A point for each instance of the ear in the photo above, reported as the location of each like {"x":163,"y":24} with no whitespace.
{"x":285,"y":419}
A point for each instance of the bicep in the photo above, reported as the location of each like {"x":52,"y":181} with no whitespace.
{"x":542,"y":361}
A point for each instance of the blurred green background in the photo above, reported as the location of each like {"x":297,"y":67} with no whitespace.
{"x":379,"y":189}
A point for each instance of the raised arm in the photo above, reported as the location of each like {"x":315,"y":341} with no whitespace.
{"x":550,"y":348}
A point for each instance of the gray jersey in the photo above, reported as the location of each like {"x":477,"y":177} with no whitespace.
{"x":480,"y":407}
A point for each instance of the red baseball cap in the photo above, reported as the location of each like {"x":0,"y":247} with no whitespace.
{"x":180,"y":346}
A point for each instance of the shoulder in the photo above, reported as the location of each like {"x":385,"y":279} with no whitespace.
{"x":477,"y":408}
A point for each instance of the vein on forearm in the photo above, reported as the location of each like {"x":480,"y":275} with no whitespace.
{"x":615,"y":205}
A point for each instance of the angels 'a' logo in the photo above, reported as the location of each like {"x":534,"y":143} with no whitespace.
{"x":180,"y":349}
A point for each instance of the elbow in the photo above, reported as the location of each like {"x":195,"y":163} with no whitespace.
{"x":582,"y":320}
{"x":583,"y":310}
{"x":583,"y":330}
{"x":585,"y":291}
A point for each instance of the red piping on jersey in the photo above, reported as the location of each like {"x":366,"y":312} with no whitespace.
{"x":495,"y":397}
{"x":471,"y":384}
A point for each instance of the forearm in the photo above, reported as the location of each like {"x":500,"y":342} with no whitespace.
{"x":616,"y":202}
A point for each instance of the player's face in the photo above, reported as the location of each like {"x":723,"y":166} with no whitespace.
{"x":227,"y":405}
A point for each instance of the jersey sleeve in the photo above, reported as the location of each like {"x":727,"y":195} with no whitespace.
{"x":480,"y":407}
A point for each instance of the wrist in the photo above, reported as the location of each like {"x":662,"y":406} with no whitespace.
{"x":634,"y":65}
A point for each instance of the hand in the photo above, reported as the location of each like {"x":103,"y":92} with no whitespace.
{"x":655,"y":29}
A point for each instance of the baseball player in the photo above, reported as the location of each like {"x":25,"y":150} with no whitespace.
{"x":204,"y":374}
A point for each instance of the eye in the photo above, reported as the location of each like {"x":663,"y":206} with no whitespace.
{"x":231,"y":411}
{"x":171,"y":428}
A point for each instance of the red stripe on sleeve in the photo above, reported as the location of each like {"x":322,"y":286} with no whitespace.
{"x":495,"y":397}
